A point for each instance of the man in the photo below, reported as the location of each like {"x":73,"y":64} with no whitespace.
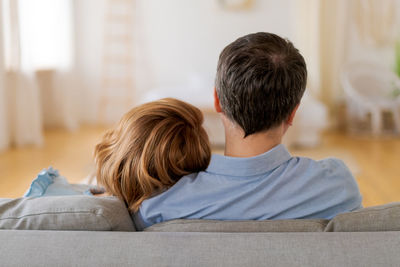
{"x":259,"y":84}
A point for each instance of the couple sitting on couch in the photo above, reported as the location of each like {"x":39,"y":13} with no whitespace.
{"x":158,"y":158}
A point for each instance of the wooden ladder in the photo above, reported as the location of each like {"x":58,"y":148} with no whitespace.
{"x":117,"y":85}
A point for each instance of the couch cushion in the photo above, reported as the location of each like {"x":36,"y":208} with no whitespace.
{"x":378,"y":218}
{"x":314,"y":225}
{"x":65,"y":213}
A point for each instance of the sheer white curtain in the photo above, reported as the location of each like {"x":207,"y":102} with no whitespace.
{"x":48,"y":48}
{"x":37,"y":64}
{"x":3,"y":125}
{"x":20,"y":117}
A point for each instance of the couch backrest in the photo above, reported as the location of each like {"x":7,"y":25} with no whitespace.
{"x":109,"y":214}
{"x":372,"y":219}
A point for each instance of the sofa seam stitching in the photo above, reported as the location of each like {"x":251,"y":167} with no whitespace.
{"x":52,"y":213}
{"x":212,"y":221}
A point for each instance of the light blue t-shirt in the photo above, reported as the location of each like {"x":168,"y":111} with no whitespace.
{"x":49,"y":182}
{"x":273,"y":185}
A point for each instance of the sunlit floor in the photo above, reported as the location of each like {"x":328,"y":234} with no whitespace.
{"x":374,"y":162}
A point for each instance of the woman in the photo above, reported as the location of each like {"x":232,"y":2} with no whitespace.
{"x":150,"y":149}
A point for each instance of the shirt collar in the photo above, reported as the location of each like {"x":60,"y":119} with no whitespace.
{"x":257,"y":165}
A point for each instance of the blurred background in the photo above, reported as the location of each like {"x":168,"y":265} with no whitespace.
{"x":70,"y":68}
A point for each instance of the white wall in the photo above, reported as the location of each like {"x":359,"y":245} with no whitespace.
{"x":177,"y":43}
{"x":4,"y":131}
{"x":184,"y":38}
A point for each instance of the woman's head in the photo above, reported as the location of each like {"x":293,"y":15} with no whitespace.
{"x":150,"y":149}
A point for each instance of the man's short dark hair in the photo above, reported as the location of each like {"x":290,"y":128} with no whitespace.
{"x":260,"y":79}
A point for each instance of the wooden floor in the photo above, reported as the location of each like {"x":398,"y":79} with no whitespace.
{"x":374,"y":162}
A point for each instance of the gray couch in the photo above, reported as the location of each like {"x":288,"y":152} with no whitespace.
{"x":88,"y":231}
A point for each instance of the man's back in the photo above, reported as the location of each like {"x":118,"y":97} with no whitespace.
{"x":260,"y":80}
{"x":273,"y":185}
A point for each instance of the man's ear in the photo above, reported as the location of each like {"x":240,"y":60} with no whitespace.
{"x":291,"y":116}
{"x":217,"y":106}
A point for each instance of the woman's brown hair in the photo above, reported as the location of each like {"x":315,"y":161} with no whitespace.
{"x":150,"y":149}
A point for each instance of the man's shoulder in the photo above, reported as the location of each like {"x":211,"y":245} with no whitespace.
{"x":322,"y":174}
{"x":329,"y":166}
{"x":327,"y":181}
{"x":333,"y":173}
{"x":335,"y":168}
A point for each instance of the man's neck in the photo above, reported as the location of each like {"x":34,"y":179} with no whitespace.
{"x":252,"y":145}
